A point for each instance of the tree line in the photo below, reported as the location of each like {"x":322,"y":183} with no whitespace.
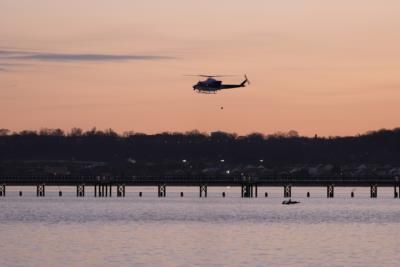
{"x":380,"y":147}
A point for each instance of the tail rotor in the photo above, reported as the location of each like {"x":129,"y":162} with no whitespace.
{"x":247,"y":79}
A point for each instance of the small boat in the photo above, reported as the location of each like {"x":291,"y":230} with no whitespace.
{"x":289,"y":202}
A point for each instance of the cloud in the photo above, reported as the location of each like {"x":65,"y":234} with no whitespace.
{"x":4,"y":67}
{"x":87,"y":57}
{"x":67,"y":57}
{"x":7,"y":67}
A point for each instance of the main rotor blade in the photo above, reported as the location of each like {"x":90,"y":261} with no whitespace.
{"x":210,"y":76}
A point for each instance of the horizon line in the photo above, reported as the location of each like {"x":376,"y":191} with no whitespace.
{"x":290,"y":133}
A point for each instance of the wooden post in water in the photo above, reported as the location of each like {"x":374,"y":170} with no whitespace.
{"x":330,"y":191}
{"x":162,"y":190}
{"x":80,"y":190}
{"x":374,"y":191}
{"x":121,"y":190}
{"x":2,"y":190}
{"x":203,"y":190}
{"x":245,"y":191}
{"x":249,"y":190}
{"x":287,"y":191}
{"x":40,"y":190}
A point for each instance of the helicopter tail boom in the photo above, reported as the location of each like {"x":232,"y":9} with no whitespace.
{"x":243,"y":84}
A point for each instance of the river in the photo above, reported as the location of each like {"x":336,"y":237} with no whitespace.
{"x":188,"y":231}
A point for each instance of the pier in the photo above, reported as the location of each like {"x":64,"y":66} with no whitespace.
{"x":103,"y":185}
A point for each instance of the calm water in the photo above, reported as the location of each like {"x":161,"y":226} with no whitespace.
{"x":189,"y":231}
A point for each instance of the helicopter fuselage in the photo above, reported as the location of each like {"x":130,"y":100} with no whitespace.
{"x":212,"y":85}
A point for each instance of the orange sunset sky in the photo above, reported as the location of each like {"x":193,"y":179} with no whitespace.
{"x":325,"y":67}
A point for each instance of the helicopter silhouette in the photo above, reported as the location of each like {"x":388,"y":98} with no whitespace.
{"x":212,"y":85}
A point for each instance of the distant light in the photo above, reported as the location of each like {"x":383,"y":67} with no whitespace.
{"x":228,"y":171}
{"x":184,"y":160}
{"x":261,"y":160}
{"x":222,"y":160}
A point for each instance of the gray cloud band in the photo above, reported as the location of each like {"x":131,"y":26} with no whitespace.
{"x":63,"y":57}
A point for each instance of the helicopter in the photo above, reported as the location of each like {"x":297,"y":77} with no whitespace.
{"x":211,"y":85}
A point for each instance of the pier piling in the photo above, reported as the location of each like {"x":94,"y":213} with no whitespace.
{"x":162,"y":190}
{"x":40,"y":190}
{"x":80,"y":190}
{"x":396,"y":193}
{"x":330,"y":191}
{"x":2,"y":190}
{"x":120,"y":190}
{"x":374,"y":191}
{"x":249,"y":190}
{"x":101,"y":190}
{"x":203,"y":190}
{"x":287,"y":191}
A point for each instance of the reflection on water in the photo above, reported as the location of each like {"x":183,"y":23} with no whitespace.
{"x":189,"y":231}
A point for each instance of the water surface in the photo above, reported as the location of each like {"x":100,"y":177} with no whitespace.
{"x":189,"y":231}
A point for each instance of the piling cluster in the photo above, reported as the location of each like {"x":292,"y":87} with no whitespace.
{"x":248,"y":190}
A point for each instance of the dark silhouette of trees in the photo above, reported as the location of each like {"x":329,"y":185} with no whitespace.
{"x":381,"y":147}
